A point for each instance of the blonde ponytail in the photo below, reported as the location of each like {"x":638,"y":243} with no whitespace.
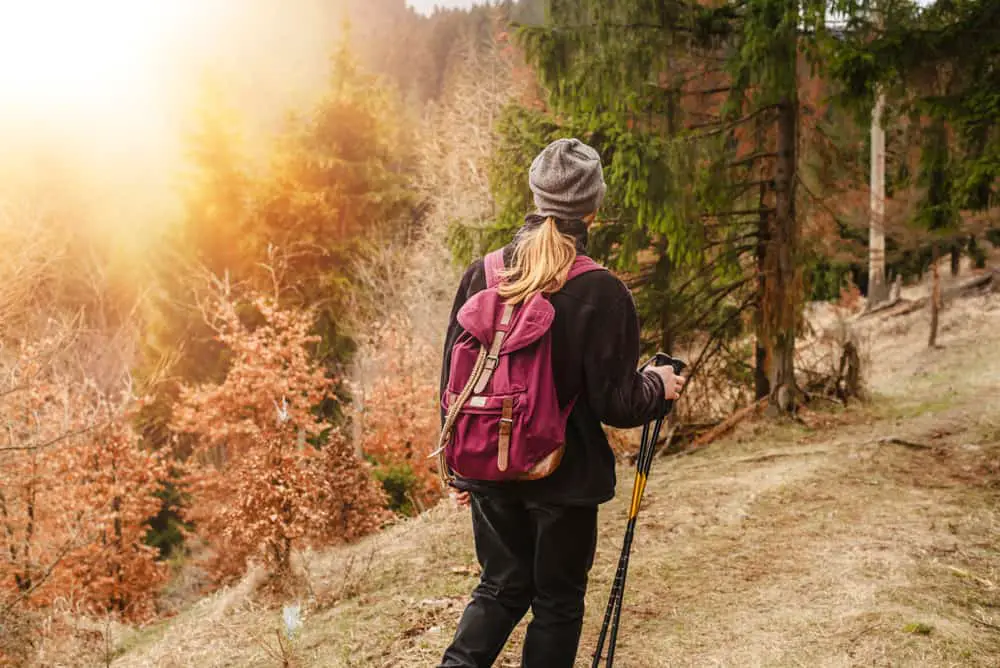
{"x":542,"y":260}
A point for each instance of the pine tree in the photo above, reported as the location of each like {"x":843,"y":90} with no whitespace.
{"x":338,"y":182}
{"x":698,"y":112}
{"x":213,"y":237}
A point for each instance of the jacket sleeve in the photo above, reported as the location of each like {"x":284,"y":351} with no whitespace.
{"x":619,"y":394}
{"x":454,"y":329}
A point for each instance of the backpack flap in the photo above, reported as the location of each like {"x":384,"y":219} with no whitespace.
{"x":531,"y":321}
{"x":481,"y":316}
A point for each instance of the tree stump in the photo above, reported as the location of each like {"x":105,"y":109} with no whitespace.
{"x":849,"y":376}
{"x":896,"y":291}
{"x":935,"y":303}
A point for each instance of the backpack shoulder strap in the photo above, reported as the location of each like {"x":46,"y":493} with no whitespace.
{"x":493,"y":264}
{"x":582,"y":265}
{"x":452,"y":416}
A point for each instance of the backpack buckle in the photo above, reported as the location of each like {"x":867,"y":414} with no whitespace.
{"x":492,"y":361}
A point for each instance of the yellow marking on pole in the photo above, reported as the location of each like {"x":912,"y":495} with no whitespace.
{"x":637,"y":492}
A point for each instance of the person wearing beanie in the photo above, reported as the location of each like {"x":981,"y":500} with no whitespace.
{"x":536,"y":539}
{"x":567,"y":180}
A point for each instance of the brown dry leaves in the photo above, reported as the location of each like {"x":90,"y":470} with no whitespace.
{"x":268,"y":475}
{"x":76,"y":491}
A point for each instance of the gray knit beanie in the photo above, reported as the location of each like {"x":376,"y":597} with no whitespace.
{"x":567,"y":180}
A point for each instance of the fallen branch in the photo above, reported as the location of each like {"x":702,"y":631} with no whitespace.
{"x":892,"y":440}
{"x":967,"y":575}
{"x":691,"y":431}
{"x":770,"y":456}
{"x":972,"y":285}
{"x":883,"y":306}
{"x":986,"y":280}
{"x":910,"y":307}
{"x":982,"y":621}
{"x":729,"y":423}
{"x":673,"y":442}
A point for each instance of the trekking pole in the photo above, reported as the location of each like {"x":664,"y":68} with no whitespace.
{"x":630,"y":531}
{"x":644,"y":461}
{"x":613,"y":613}
{"x":618,"y":584}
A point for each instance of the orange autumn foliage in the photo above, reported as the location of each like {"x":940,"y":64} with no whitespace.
{"x":76,"y":491}
{"x":267,"y":475}
{"x":114,"y":570}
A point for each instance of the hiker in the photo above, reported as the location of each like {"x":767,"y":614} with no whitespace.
{"x":535,"y":538}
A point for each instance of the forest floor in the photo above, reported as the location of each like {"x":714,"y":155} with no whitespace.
{"x":860,"y":537}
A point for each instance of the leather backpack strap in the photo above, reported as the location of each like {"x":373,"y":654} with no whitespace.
{"x":482,"y":372}
{"x":506,"y":425}
{"x":493,"y":358}
{"x":493,"y":264}
{"x":452,"y":416}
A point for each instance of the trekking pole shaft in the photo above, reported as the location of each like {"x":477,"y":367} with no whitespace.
{"x":599,"y":651}
{"x":620,"y":599}
{"x":644,"y":462}
{"x":647,"y":464}
{"x":618,"y":583}
{"x":644,"y":465}
{"x":617,"y":587}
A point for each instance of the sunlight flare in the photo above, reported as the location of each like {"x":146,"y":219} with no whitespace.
{"x":62,"y":52}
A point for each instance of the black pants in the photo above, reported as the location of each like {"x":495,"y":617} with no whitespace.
{"x":532,"y":555}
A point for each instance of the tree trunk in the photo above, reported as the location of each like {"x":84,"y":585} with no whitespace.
{"x":849,"y":375}
{"x":666,"y":308}
{"x":877,"y":288}
{"x":781,"y":306}
{"x":117,"y":600}
{"x":976,"y":254}
{"x":26,"y":581}
{"x":762,"y":386}
{"x":956,"y":258}
{"x":935,"y":300}
{"x":666,"y":327}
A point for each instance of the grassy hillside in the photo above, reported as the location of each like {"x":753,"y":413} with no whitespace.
{"x":861,"y":537}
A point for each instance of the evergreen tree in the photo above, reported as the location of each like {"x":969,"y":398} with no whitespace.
{"x":213,"y":237}
{"x":338,"y":181}
{"x":938,"y":66}
{"x":698,"y":113}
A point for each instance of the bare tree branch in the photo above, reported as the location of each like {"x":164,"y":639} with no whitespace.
{"x":54,"y":441}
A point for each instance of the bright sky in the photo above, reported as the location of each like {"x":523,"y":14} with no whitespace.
{"x":426,"y":6}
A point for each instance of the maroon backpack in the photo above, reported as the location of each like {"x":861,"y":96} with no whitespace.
{"x":503,"y":419}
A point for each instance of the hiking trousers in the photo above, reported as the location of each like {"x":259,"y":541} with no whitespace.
{"x":533,"y":556}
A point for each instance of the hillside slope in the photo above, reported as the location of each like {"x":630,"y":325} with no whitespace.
{"x":869,"y":537}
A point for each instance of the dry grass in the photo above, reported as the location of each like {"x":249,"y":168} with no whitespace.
{"x":793,"y":545}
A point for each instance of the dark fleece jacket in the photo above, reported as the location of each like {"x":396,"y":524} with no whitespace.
{"x":595,"y":353}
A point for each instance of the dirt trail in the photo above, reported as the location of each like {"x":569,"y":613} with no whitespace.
{"x":819,"y":545}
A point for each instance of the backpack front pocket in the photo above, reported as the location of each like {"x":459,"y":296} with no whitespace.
{"x":481,"y":439}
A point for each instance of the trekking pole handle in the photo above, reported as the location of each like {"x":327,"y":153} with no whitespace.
{"x":663,"y":359}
